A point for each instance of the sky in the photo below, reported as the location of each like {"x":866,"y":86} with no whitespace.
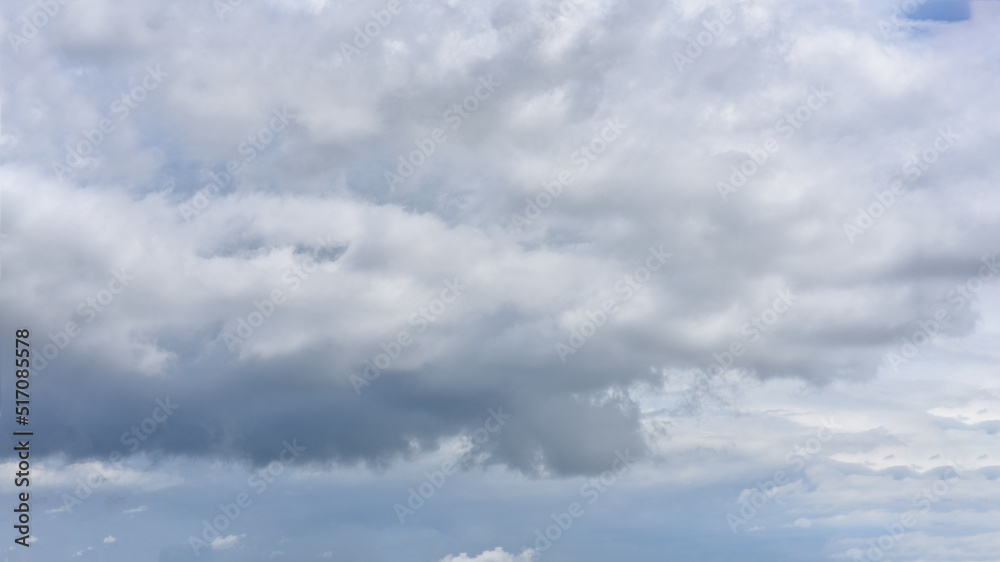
{"x":502,"y":281}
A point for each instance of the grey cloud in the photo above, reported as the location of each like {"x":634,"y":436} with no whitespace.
{"x":324,"y":177}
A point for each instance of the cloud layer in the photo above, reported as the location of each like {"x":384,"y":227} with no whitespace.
{"x":363,"y":226}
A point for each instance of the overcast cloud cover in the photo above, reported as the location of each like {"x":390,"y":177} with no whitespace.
{"x":685,"y":280}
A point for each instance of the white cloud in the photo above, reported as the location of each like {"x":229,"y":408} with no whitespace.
{"x":135,"y":474}
{"x":110,"y":540}
{"x":496,"y":555}
{"x":227,"y":542}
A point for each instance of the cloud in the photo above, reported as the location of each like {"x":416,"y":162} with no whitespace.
{"x":227,"y":542}
{"x":390,"y":248}
{"x":822,"y":183}
{"x":496,"y":555}
{"x":110,"y":540}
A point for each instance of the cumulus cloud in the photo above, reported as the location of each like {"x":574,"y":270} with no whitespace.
{"x":600,"y":218}
{"x":316,"y":189}
{"x":496,"y":555}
